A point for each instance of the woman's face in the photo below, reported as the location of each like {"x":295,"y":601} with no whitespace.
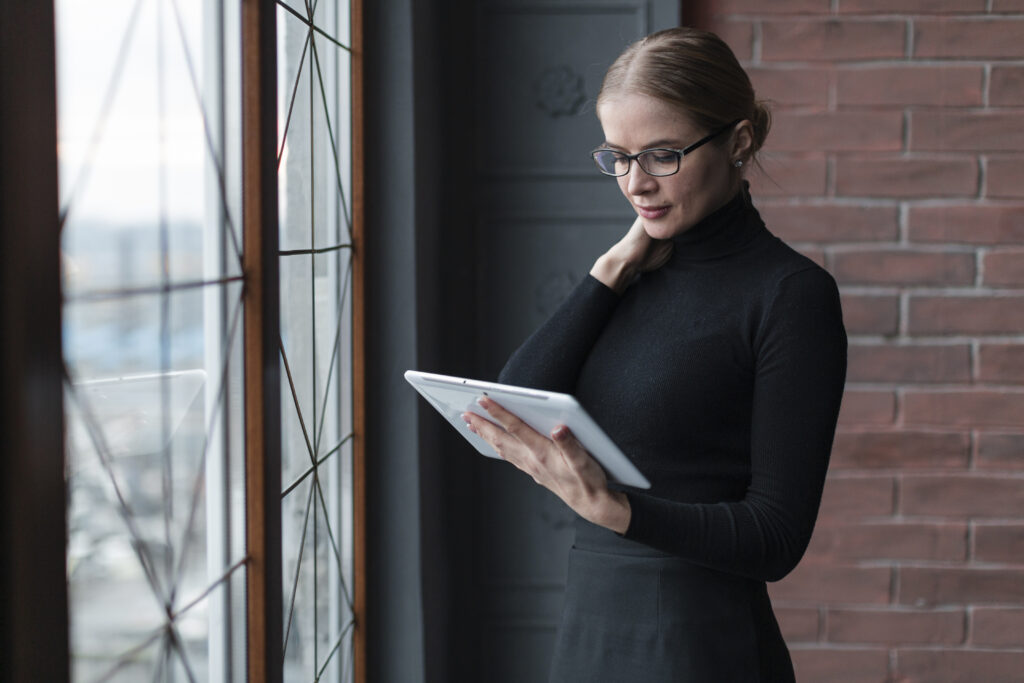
{"x":668,"y":205}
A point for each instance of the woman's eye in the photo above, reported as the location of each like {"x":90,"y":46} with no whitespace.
{"x":663,"y":157}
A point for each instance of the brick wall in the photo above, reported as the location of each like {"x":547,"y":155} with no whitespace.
{"x":897,"y":161}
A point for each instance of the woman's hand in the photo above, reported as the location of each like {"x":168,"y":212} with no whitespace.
{"x":635,"y":253}
{"x":559,"y":464}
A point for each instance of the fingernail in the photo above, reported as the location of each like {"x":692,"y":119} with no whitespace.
{"x":483,"y":401}
{"x":560,"y":432}
{"x":466,"y":418}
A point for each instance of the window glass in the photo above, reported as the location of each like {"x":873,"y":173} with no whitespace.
{"x":315,"y":270}
{"x":148,"y":151}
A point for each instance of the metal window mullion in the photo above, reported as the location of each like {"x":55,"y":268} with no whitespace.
{"x":262,"y":332}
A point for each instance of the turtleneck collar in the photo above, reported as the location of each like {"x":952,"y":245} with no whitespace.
{"x":724,"y":231}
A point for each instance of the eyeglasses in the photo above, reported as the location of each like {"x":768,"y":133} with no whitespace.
{"x":659,"y":161}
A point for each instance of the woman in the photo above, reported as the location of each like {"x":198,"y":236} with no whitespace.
{"x":714,"y":356}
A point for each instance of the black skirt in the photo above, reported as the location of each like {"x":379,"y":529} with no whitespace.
{"x":634,"y":614}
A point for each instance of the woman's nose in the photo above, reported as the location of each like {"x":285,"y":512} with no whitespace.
{"x":638,"y":181}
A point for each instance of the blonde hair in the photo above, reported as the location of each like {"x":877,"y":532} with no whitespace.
{"x":694,"y":70}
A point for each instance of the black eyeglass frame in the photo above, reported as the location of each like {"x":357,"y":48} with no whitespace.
{"x":680,"y":153}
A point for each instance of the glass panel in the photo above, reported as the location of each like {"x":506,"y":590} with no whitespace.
{"x":152,"y":338}
{"x":315,"y":173}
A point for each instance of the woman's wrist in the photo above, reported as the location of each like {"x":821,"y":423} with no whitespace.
{"x":614,"y":273}
{"x":616,"y":512}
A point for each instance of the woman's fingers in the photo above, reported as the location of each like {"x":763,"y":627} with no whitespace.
{"x":578,"y":459}
{"x":512,"y":424}
{"x":560,"y":462}
{"x":506,"y":444}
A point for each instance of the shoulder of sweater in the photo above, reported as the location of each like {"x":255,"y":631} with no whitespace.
{"x":782,"y":261}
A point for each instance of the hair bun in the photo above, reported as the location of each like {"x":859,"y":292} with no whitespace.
{"x":761,"y":120}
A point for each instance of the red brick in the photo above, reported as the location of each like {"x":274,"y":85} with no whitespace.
{"x":911,"y":363}
{"x":831,"y":223}
{"x":866,"y":314}
{"x":978,"y":39}
{"x":1006,"y":86}
{"x":949,"y":86}
{"x":956,"y":586}
{"x":1000,"y":450}
{"x":867,"y":408}
{"x":902,"y":267}
{"x":912,"y":6}
{"x":781,"y":176}
{"x":1001,"y":363}
{"x":848,"y":498}
{"x":967,"y":224}
{"x":738,"y":35}
{"x":775,"y":7}
{"x":1004,"y":268}
{"x":958,"y":666}
{"x":962,"y":495}
{"x":1004,"y":176}
{"x":956,"y":177}
{"x":1007,"y":6}
{"x":889,"y":541}
{"x":997,"y":626}
{"x":951,"y":130}
{"x":999,"y":543}
{"x":798,"y":624}
{"x":964,"y":408}
{"x":832,"y":40}
{"x":900,"y":449}
{"x":966,"y":314}
{"x":895,"y":626}
{"x":833,"y":584}
{"x":814,"y":253}
{"x":836,"y":665}
{"x":837,"y":131}
{"x":787,"y":87}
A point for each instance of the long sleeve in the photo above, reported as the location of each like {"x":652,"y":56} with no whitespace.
{"x":551,"y":357}
{"x":800,"y":351}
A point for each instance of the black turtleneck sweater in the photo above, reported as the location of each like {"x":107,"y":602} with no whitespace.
{"x":720,"y":375}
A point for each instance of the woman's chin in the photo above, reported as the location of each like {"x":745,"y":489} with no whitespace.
{"x":663,"y":230}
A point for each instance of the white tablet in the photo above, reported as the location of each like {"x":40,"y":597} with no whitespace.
{"x":542,"y":410}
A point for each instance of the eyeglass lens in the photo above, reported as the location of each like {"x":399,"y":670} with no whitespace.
{"x":654,"y":161}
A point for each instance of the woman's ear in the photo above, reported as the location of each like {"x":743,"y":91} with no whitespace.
{"x":742,"y":141}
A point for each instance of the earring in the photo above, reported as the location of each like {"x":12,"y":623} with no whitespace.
{"x":738,"y":163}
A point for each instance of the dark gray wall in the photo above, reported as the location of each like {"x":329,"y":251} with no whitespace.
{"x":482,"y":211}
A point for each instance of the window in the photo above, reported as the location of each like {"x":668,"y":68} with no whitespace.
{"x":315,"y":191}
{"x":152,"y":340}
{"x":161,"y":294}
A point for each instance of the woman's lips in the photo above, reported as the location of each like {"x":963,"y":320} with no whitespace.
{"x":652,"y":213}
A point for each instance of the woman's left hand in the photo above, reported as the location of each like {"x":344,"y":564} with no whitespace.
{"x":559,"y":464}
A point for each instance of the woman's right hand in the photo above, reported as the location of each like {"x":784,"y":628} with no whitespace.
{"x":635,"y":253}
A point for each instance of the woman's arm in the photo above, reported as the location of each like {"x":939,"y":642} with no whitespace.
{"x":552,"y":356}
{"x":801,"y":369}
{"x":635,"y":253}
